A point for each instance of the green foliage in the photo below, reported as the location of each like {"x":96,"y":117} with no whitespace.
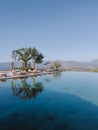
{"x":17,"y":68}
{"x":95,"y":70}
{"x":36,"y":56}
{"x":56,"y":65}
{"x":26,"y":54}
{"x":22,"y":54}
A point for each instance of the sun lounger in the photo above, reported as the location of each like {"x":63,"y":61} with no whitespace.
{"x":2,"y":74}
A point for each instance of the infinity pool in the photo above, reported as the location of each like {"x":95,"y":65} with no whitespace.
{"x":61,"y":101}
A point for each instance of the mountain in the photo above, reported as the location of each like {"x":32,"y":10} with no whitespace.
{"x":47,"y":64}
{"x":76,"y":64}
{"x":7,"y":65}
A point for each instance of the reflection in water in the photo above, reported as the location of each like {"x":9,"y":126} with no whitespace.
{"x":56,"y":108}
{"x":2,"y":80}
{"x":48,"y":79}
{"x":55,"y":76}
{"x":26,"y":91}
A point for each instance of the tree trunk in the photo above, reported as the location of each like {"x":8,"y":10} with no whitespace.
{"x":12,"y":66}
{"x":33,"y":65}
{"x":25,"y":64}
{"x":33,"y":82}
{"x":22,"y":66}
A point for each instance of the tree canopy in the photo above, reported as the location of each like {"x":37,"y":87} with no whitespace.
{"x":55,"y":65}
{"x":26,"y":54}
{"x":37,"y":57}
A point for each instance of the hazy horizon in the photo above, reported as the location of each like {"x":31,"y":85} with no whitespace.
{"x":60,"y":29}
{"x":55,"y":60}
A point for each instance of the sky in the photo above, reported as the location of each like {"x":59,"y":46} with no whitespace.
{"x":60,"y":29}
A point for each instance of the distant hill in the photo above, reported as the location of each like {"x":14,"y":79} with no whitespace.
{"x":47,"y":64}
{"x":76,"y":64}
{"x":7,"y":65}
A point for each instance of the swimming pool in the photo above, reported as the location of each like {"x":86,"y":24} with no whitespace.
{"x":60,"y":101}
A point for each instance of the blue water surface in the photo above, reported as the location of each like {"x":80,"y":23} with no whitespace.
{"x":61,"y":101}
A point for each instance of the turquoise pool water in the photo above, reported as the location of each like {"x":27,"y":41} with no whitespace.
{"x":61,"y":101}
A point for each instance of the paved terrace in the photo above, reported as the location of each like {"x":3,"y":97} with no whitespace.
{"x":10,"y":75}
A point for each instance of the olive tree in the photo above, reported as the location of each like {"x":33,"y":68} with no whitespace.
{"x":37,"y":57}
{"x":22,"y":55}
{"x":26,"y":54}
{"x":55,"y":65}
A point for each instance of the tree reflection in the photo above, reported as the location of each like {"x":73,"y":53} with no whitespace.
{"x":48,"y":79}
{"x":55,"y":75}
{"x":26,"y":91}
{"x":2,"y":80}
